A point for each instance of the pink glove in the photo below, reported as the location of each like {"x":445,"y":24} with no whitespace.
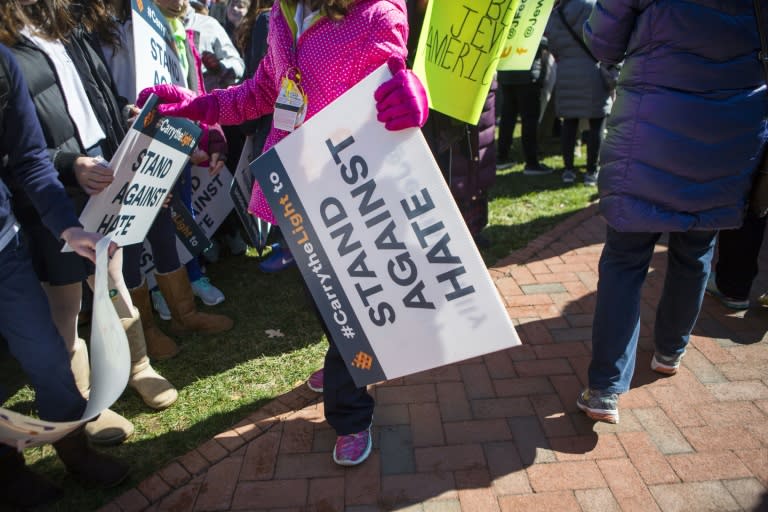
{"x":166,"y":92}
{"x":203,"y":108}
{"x":401,"y":101}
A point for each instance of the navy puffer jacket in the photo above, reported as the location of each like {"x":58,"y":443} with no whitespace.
{"x":684,"y":136}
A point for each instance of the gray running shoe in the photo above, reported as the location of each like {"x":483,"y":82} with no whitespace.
{"x":599,"y":405}
{"x":667,"y":365}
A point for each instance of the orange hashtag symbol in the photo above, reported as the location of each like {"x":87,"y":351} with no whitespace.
{"x":363,"y":361}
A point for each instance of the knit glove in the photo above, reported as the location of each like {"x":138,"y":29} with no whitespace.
{"x":177,"y":103}
{"x":401,"y":101}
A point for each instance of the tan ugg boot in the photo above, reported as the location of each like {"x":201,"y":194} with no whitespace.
{"x":109,"y":428}
{"x":159,"y":346}
{"x":154,"y":389}
{"x":181,"y":301}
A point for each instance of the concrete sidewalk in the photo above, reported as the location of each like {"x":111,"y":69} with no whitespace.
{"x":502,"y":432}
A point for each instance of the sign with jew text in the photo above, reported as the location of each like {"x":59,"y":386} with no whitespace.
{"x":458,"y":51}
{"x":380,"y":242}
{"x":525,"y":33}
{"x":146,"y":165}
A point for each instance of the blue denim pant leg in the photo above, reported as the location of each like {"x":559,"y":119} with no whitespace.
{"x":25,"y":322}
{"x":688,"y":264}
{"x":616,"y":324}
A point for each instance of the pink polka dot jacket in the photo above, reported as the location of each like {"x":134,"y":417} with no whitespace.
{"x":332,"y":56}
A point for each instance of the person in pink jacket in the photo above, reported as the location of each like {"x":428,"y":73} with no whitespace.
{"x":324,"y":47}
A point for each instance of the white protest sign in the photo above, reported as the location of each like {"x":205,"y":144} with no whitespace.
{"x":157,"y":61}
{"x":380,"y":242}
{"x":210,"y":204}
{"x":146,"y":165}
{"x":110,"y":365}
{"x":210,"y":198}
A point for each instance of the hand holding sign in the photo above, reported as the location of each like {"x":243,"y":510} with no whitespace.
{"x":148,"y":161}
{"x":167,"y":93}
{"x":401,"y":102}
{"x":84,"y":242}
{"x":176,"y":103}
{"x":93,"y":174}
{"x":204,"y":108}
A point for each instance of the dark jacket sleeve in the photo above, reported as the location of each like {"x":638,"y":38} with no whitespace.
{"x":609,"y":27}
{"x":28,"y":162}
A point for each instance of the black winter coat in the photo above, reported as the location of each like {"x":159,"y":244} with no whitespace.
{"x":61,"y":137}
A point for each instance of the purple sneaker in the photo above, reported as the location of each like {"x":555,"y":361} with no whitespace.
{"x":352,"y":449}
{"x":279,"y":259}
{"x":315,"y":381}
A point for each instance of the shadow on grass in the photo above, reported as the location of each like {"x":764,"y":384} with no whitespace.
{"x":145,"y":457}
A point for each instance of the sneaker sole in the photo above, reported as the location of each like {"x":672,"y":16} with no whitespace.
{"x":599,"y":414}
{"x":213,"y":303}
{"x":360,"y":460}
{"x":315,"y":389}
{"x":536,"y":173}
{"x":736,"y":306}
{"x":162,"y":316}
{"x":662,"y":368}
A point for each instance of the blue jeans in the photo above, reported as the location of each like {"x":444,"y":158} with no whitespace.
{"x":616,"y":325}
{"x":25,"y":322}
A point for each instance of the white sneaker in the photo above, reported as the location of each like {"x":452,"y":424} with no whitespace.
{"x":159,"y":304}
{"x":209,"y":294}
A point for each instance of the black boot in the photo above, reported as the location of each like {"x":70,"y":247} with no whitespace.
{"x":21,"y":488}
{"x":88,"y":465}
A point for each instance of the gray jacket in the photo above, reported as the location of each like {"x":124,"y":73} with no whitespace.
{"x":579,"y":91}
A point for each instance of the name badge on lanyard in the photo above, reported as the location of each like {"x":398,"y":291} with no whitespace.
{"x":290,"y":106}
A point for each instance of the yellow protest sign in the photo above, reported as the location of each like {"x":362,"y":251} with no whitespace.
{"x":459,"y":49}
{"x":525,"y":33}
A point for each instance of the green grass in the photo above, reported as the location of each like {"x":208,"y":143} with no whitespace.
{"x":222,"y":379}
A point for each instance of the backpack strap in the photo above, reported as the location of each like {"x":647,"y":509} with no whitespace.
{"x":575,"y":36}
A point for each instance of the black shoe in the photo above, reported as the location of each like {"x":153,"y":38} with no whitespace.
{"x":481,"y":241}
{"x":21,"y":488}
{"x":537,"y":170}
{"x":88,"y":465}
{"x":504,"y":162}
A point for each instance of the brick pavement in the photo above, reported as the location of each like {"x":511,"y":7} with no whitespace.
{"x":502,"y":432}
